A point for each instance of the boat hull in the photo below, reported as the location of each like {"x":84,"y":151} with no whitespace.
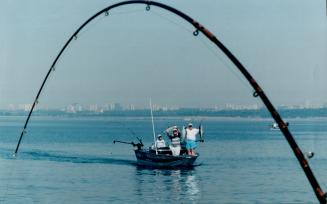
{"x":151,"y":159}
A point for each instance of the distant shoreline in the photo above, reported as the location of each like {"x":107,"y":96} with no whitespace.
{"x":184,"y":112}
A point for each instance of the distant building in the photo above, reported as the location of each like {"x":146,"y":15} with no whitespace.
{"x":107,"y":107}
{"x":117,"y":107}
{"x":131,"y":107}
{"x":93,"y":107}
{"x":25,"y":107}
{"x":73,"y":108}
{"x":241,"y":107}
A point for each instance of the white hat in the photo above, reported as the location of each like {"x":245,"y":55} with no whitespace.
{"x":190,"y":125}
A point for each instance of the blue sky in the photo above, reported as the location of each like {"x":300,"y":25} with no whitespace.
{"x":133,"y":55}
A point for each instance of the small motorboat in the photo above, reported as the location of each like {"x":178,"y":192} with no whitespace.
{"x":160,"y":157}
{"x":164,"y":157}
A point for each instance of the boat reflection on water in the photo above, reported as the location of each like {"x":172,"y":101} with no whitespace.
{"x":162,"y":185}
{"x":192,"y":187}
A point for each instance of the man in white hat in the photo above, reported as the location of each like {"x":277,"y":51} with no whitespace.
{"x":191,"y":138}
{"x":160,"y":142}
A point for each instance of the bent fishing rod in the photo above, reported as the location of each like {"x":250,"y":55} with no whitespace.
{"x":258,"y":92}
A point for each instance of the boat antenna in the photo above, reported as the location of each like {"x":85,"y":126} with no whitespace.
{"x":154,"y":133}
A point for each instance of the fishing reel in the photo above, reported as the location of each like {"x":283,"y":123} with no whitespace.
{"x":140,"y":141}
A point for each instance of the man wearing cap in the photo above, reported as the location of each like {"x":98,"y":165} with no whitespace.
{"x":190,"y":139}
{"x":175,"y":146}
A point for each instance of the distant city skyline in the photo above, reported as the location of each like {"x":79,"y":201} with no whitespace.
{"x":77,"y":107}
{"x":133,"y":55}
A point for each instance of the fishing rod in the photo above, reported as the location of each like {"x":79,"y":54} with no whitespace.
{"x":258,"y":92}
{"x":132,"y":143}
{"x":127,"y":128}
{"x":139,"y":139}
{"x":139,"y":145}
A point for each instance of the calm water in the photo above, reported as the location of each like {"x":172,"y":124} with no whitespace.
{"x":73,"y":160}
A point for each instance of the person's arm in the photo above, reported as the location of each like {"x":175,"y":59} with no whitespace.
{"x":169,"y":136}
{"x":170,"y":128}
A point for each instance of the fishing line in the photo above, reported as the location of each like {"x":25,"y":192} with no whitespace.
{"x":205,"y":44}
{"x":131,"y":11}
{"x":219,"y":57}
{"x":92,"y":25}
{"x":129,"y":129}
{"x":228,"y":67}
{"x":223,"y":60}
{"x":101,"y":18}
{"x":167,"y":19}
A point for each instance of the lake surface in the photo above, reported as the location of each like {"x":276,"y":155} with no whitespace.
{"x":73,"y":160}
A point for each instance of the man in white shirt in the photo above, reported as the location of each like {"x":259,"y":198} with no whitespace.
{"x":160,"y":142}
{"x":190,"y":139}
